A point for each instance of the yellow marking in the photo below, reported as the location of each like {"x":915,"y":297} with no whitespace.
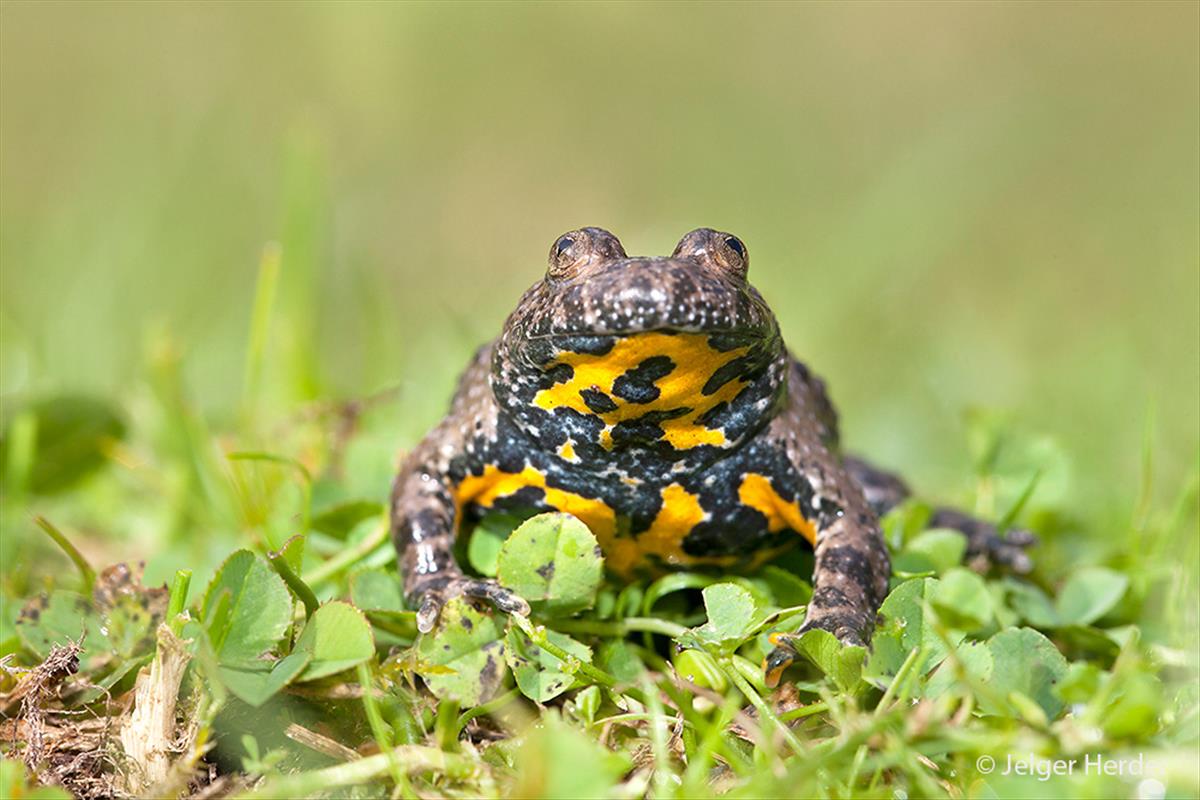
{"x":680,"y":512}
{"x":566,"y":451}
{"x":494,"y":483}
{"x":757,"y":492}
{"x":695,"y":362}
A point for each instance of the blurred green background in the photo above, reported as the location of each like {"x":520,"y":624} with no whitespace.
{"x":949,"y":206}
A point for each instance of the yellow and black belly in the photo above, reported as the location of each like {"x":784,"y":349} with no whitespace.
{"x":654,"y":441}
{"x":741,"y":511}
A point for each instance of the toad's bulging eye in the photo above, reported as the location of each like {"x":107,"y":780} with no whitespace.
{"x":564,"y":256}
{"x":721,"y":250}
{"x":734,"y":256}
{"x":574,"y":249}
{"x":735,"y":244}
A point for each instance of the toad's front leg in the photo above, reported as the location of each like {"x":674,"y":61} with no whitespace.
{"x":850,"y":575}
{"x":423,"y":529}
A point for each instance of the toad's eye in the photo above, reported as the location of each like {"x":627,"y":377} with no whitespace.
{"x":721,"y":250}
{"x":574,"y":249}
{"x":563,"y":246}
{"x":735,"y":244}
{"x":732,"y":255}
{"x":565,"y":256}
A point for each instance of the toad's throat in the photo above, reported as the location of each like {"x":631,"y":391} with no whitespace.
{"x":675,"y":382}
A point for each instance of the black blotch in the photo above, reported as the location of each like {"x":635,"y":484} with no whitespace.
{"x":597,"y":401}
{"x":546,"y":570}
{"x":560,"y":373}
{"x":588,"y":345}
{"x":711,"y":419}
{"x":466,"y":623}
{"x":645,"y":430}
{"x":510,"y":460}
{"x":489,"y":673}
{"x":637,"y":384}
{"x":724,"y":342}
{"x":526,"y":498}
{"x":737,"y":368}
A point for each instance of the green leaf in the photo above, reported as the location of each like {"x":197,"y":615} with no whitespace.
{"x":1032,"y":604}
{"x":700,"y":668}
{"x":673,"y":582}
{"x":376,"y":590}
{"x":973,"y":658}
{"x":487,"y":540}
{"x":963,"y":601}
{"x":337,"y":637}
{"x":1135,"y":710}
{"x":72,"y":434}
{"x":841,"y":663}
{"x":1025,"y":661}
{"x":247,"y":608}
{"x":59,"y":617}
{"x":1087,"y":639}
{"x":785,"y":588}
{"x":462,"y":659}
{"x":257,"y":685}
{"x":905,"y":522}
{"x":1081,"y":683}
{"x":732,"y":616}
{"x":935,"y":550}
{"x":556,"y":760}
{"x":906,"y":624}
{"x":540,"y":676}
{"x":554,"y":562}
{"x":619,"y":659}
{"x":338,"y":520}
{"x":587,"y":702}
{"x":1089,"y":594}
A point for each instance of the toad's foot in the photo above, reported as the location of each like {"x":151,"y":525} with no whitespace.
{"x":986,"y":546}
{"x":785,"y":654}
{"x":434,"y":598}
